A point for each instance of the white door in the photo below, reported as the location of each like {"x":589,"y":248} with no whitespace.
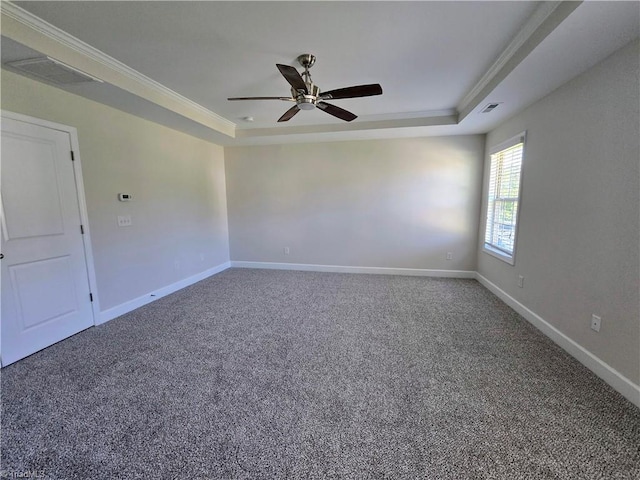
{"x":45,"y":287}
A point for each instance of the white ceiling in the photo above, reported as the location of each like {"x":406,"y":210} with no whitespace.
{"x":431,"y":58}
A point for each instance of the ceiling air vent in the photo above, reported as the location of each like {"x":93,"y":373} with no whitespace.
{"x":49,"y":69}
{"x":490,"y":107}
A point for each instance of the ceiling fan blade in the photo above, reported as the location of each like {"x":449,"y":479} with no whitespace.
{"x":287,"y":99}
{"x":289,"y":114}
{"x":292,"y":76}
{"x":341,"y":113}
{"x":353,"y":92}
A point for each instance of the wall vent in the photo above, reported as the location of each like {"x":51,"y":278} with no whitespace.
{"x":489,"y":107}
{"x":51,"y":70}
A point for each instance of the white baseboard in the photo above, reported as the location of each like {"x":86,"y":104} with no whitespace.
{"x":615,"y":379}
{"x":127,"y":307}
{"x":417,"y":272}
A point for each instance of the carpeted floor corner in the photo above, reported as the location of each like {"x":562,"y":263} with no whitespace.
{"x":263,"y":374}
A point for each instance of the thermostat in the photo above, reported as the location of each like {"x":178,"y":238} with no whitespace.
{"x":125,"y":197}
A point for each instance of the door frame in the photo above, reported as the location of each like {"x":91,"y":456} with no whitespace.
{"x":82,"y":202}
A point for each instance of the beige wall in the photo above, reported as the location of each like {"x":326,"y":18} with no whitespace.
{"x":179,"y":209}
{"x":380,"y":203}
{"x":579,"y":234}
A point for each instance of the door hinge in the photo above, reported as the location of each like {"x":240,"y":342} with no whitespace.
{"x":91,"y":297}
{"x":82,"y":229}
{"x":72,"y":157}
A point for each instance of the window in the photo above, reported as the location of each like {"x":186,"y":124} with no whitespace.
{"x":503,"y":199}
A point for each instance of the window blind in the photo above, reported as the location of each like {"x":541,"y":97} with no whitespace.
{"x":503,"y":198}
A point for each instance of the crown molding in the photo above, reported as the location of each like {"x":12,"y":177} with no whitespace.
{"x":537,"y":27}
{"x":431,"y":121}
{"x":384,"y":120}
{"x":61,"y":37}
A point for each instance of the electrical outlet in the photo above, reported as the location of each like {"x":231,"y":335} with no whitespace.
{"x":286,"y":250}
{"x":449,"y":255}
{"x":595,"y":322}
{"x":124,"y":221}
{"x":521,"y":281}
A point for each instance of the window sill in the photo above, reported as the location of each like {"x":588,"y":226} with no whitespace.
{"x":499,"y":254}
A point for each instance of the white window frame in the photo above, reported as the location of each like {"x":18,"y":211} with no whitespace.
{"x":493,"y":250}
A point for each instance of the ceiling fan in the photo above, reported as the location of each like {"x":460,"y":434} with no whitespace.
{"x":307,"y":96}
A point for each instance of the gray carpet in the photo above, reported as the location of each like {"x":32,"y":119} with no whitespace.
{"x":256,"y":374}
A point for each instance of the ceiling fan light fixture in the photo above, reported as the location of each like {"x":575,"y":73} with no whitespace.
{"x":306,"y":102}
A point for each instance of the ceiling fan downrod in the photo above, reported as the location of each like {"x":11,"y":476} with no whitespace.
{"x":306,"y":101}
